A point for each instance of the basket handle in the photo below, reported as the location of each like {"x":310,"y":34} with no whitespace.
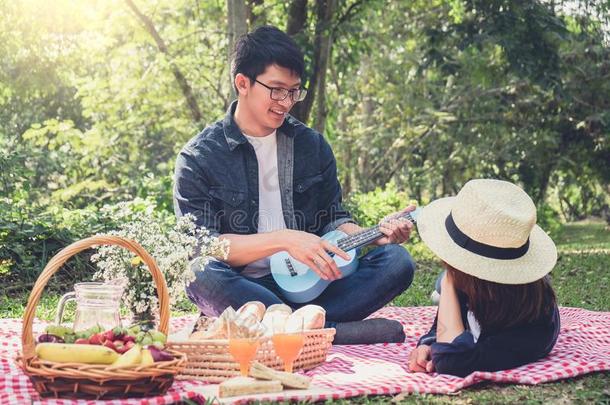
{"x":27,"y":336}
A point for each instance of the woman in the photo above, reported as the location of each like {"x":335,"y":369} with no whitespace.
{"x":497,"y":309}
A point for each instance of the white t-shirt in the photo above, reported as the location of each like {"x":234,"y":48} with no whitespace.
{"x":270,"y":214}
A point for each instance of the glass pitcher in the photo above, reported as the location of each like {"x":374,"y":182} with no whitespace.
{"x":96,"y":304}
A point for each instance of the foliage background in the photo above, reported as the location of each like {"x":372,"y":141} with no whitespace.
{"x":97,"y":98}
{"x":415,"y":97}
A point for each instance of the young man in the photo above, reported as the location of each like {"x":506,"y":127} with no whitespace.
{"x":267,"y":183}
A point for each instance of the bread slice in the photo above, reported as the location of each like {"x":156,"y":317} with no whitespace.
{"x":247,"y":385}
{"x":289,"y":380}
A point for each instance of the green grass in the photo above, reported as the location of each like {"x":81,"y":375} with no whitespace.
{"x":589,"y":235}
{"x":581,"y":279}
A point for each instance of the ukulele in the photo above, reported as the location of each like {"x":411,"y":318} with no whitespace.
{"x":301,"y":284}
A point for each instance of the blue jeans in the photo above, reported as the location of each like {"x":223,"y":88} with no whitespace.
{"x":383,"y":273}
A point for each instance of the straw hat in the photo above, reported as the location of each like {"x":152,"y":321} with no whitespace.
{"x":489,"y":231}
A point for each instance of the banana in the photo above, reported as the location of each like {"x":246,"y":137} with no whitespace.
{"x":71,"y":353}
{"x":130,"y":358}
{"x":147,"y":358}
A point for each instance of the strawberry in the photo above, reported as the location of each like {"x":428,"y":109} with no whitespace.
{"x":109,"y":335}
{"x":119,"y":332}
{"x":97,"y":339}
{"x":108,"y":343}
{"x":82,"y":341}
{"x":129,"y":338}
{"x":119,"y":346}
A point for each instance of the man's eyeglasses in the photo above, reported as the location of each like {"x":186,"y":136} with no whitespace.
{"x":280,"y":94}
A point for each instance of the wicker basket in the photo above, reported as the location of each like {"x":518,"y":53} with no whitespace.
{"x":96,"y":381}
{"x":210,"y":361}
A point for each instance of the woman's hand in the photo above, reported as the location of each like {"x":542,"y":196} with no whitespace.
{"x":420,"y":360}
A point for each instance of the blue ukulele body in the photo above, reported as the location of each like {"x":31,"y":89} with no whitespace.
{"x":300,"y":284}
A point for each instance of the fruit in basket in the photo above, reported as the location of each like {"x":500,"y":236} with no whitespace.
{"x":158,"y":336}
{"x":97,"y":339}
{"x":130,"y":358}
{"x":146,"y":340}
{"x":129,"y":338}
{"x":151,"y":337}
{"x":58,"y":330}
{"x":80,"y":353}
{"x":159,"y":355}
{"x":133,"y":330}
{"x":48,"y":338}
{"x":63,"y":334}
{"x":147,"y":358}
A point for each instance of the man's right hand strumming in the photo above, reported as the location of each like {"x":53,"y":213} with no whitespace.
{"x":313,"y":251}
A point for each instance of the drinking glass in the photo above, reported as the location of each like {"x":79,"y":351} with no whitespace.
{"x":288,"y":339}
{"x":244,"y":335}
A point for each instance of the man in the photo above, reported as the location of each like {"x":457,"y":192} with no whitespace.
{"x":267,"y":183}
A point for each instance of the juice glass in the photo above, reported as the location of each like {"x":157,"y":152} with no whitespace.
{"x":244,"y":342}
{"x":288,"y":339}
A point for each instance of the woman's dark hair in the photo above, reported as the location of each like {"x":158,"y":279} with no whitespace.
{"x":500,"y":306}
{"x":265,"y":46}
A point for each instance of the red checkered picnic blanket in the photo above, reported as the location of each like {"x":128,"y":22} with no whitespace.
{"x":583,"y":347}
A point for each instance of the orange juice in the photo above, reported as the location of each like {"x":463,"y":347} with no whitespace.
{"x":288,"y":346}
{"x":243,"y":351}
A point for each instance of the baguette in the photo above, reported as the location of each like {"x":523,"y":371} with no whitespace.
{"x":252,"y":308}
{"x":314,"y":317}
{"x":279,"y":308}
{"x":273,"y":320}
{"x":289,"y":380}
{"x":247,"y":385}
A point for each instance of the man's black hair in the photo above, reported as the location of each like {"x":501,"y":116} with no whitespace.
{"x":265,"y":46}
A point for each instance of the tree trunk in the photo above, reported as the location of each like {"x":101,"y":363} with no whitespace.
{"x":321,"y":110}
{"x":237,"y":25}
{"x":297,"y":17}
{"x":185,"y":87}
{"x":322,"y":47}
{"x":366,"y":167}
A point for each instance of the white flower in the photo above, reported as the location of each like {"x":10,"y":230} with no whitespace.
{"x":172,"y":246}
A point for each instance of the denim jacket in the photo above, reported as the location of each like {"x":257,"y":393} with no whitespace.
{"x":216,"y":179}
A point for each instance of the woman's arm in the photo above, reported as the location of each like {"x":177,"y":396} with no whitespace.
{"x":449,"y":324}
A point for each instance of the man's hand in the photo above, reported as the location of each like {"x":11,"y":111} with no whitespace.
{"x":313,"y":251}
{"x":420,"y":360}
{"x":395,"y":228}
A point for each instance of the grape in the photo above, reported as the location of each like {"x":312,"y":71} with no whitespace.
{"x":47,"y":337}
{"x":147,"y":340}
{"x":58,"y":330}
{"x":139,"y":336}
{"x":70,"y":338}
{"x":159,"y":336}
